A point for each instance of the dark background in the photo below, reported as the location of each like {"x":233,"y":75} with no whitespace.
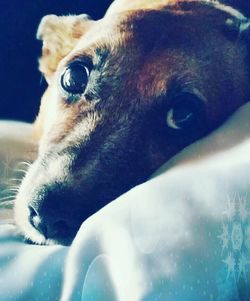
{"x":21,"y":85}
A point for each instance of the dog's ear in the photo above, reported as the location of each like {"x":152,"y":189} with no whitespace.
{"x":59,"y":36}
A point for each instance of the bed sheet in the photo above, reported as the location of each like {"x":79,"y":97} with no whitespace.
{"x":182,"y":235}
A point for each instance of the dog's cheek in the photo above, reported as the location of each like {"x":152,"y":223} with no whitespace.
{"x":50,"y":123}
{"x":48,"y":113}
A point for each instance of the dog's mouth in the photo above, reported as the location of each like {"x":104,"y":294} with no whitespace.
{"x":52,"y":211}
{"x":44,"y":227}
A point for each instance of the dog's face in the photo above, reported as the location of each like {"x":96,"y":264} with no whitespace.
{"x":125,"y":94}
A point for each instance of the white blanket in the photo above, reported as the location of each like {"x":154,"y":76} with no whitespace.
{"x":183,"y":235}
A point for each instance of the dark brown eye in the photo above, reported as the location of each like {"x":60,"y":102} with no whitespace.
{"x":75,"y":78}
{"x":186,"y":112}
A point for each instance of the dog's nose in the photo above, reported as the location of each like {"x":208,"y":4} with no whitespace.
{"x":57,"y":212}
{"x":48,"y":225}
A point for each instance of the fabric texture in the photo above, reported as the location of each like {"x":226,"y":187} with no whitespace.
{"x":182,"y":235}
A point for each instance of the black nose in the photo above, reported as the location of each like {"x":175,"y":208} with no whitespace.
{"x":50,"y":227}
{"x":57,"y":212}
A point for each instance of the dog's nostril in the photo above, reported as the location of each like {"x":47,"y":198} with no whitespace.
{"x":46,"y":225}
{"x":36,"y":221}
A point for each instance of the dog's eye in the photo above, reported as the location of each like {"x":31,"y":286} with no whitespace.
{"x":74,"y":79}
{"x":186,"y":112}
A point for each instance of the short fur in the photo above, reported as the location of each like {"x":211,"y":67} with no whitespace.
{"x":115,"y":136}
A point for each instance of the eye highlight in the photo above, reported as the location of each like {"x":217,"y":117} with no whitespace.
{"x":186,"y":112}
{"x":74,"y":78}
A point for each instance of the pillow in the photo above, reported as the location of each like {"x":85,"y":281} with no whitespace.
{"x":182,"y":235}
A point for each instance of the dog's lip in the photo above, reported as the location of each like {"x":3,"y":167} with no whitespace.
{"x":66,"y":242}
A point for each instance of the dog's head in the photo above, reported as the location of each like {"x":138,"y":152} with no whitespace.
{"x":125,"y":94}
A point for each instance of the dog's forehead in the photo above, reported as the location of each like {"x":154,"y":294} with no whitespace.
{"x":142,"y":28}
{"x":152,"y":40}
{"x":149,"y":47}
{"x":148,"y":50}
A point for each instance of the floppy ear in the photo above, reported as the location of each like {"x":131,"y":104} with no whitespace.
{"x":59,"y":36}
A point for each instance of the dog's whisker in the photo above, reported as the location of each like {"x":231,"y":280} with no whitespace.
{"x":25,"y":163}
{"x":23,"y":167}
{"x":13,"y":185}
{"x":7,"y":204}
{"x":21,"y":171}
{"x":10,"y":189}
{"x":15,"y":180}
{"x":7,"y":198}
{"x":7,"y":193}
{"x":8,"y":201}
{"x":13,"y":189}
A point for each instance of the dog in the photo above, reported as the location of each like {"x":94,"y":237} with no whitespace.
{"x":125,"y":94}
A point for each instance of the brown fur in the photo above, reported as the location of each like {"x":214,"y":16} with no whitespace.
{"x":115,"y":135}
{"x":59,"y":35}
